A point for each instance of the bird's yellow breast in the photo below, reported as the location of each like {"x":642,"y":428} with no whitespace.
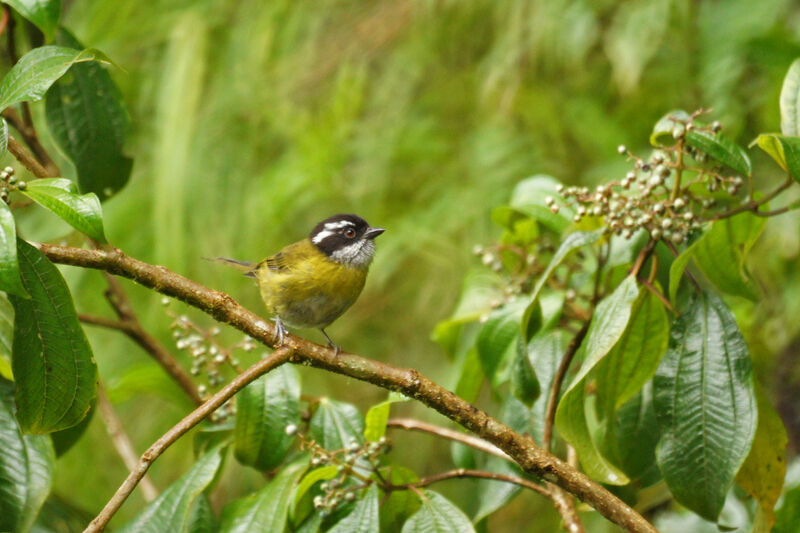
{"x":305,"y":288}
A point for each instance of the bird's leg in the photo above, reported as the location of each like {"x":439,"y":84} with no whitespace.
{"x":282,"y":332}
{"x":331,"y":344}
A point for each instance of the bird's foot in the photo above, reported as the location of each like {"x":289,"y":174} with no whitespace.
{"x":282,"y":332}
{"x":331,"y":344}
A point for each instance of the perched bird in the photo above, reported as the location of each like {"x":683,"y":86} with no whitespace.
{"x":311,"y":282}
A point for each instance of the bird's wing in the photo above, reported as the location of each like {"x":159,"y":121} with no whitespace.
{"x":291,"y":257}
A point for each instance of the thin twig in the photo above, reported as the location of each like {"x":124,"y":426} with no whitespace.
{"x":122,"y":443}
{"x":411,"y":424}
{"x":753,"y":205}
{"x":650,"y":287}
{"x":555,"y":388}
{"x":29,"y":135}
{"x":272,"y":361}
{"x":26,"y":158}
{"x":530,"y":457}
{"x":463,"y":472}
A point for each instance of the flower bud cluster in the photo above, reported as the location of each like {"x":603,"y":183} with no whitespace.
{"x":8,"y":182}
{"x":351,"y":462}
{"x":207,"y":354}
{"x":648,"y":197}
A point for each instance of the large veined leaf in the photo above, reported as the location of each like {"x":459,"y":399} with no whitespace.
{"x":524,"y":384}
{"x":37,"y":70}
{"x":705,"y":406}
{"x":629,"y":439}
{"x":364,"y":516}
{"x":81,"y":211}
{"x":608,"y":325}
{"x":545,"y":352}
{"x":263,"y":411}
{"x":10,"y":280}
{"x":87,"y":117}
{"x":171,"y":510}
{"x":54,"y":370}
{"x":635,"y":357}
{"x":336,"y":424}
{"x":438,"y":514}
{"x":790,"y":101}
{"x":26,"y":468}
{"x":400,"y":504}
{"x":267,"y":509}
{"x":43,"y":13}
{"x":3,"y":136}
{"x":6,"y":326}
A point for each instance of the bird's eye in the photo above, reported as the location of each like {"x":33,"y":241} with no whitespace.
{"x":350,"y":233}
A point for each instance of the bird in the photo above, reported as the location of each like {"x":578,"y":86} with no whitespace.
{"x":310,"y":283}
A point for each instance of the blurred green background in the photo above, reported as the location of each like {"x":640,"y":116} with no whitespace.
{"x":251,"y":120}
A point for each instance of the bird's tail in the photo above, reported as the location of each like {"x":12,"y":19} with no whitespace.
{"x":245,"y":266}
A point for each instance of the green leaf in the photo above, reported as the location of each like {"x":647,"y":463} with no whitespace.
{"x":722,"y":149}
{"x":788,"y":513}
{"x":401,"y":504}
{"x":364,"y":516}
{"x":37,"y":70}
{"x":662,"y":131}
{"x":784,"y":150}
{"x":498,"y":338}
{"x":171,"y":510}
{"x":570,"y":243}
{"x":378,"y":415}
{"x":201,"y":517}
{"x":705,"y":406}
{"x":635,"y":357}
{"x":790,"y":97}
{"x":81,"y":211}
{"x":3,"y":137}
{"x":6,"y":326}
{"x":266,"y":509}
{"x":27,"y":463}
{"x":10,"y":280}
{"x":493,"y":495}
{"x":87,"y":117}
{"x":322,"y":473}
{"x":630,"y":439}
{"x":608,"y":325}
{"x":721,"y":253}
{"x":55,"y":372}
{"x":524,"y":384}
{"x":65,"y":439}
{"x":545,"y":352}
{"x":438,"y":515}
{"x":44,"y":14}
{"x":336,"y":424}
{"x":479,"y":290}
{"x":763,"y":471}
{"x":676,"y":270}
{"x":263,"y":411}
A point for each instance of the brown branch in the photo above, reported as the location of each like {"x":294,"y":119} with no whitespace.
{"x":531,"y":458}
{"x":473,"y":442}
{"x":274,"y":360}
{"x":463,"y":472}
{"x":26,"y":158}
{"x":650,"y":287}
{"x":555,"y":387}
{"x":29,"y":135}
{"x":122,"y":443}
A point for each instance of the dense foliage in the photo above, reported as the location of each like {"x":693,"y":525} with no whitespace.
{"x":635,"y":315}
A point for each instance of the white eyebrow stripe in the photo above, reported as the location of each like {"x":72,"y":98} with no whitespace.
{"x":338,"y":225}
{"x":321,"y":236}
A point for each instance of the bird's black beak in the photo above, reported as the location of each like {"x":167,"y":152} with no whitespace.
{"x":371,"y":233}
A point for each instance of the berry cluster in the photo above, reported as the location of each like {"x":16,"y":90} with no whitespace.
{"x":353,"y":463}
{"x":8,"y":182}
{"x":208,"y":355}
{"x":651,"y":197}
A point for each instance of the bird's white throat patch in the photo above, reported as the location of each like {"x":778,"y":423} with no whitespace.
{"x":357,"y":255}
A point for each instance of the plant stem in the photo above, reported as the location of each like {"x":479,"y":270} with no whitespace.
{"x":456,"y":436}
